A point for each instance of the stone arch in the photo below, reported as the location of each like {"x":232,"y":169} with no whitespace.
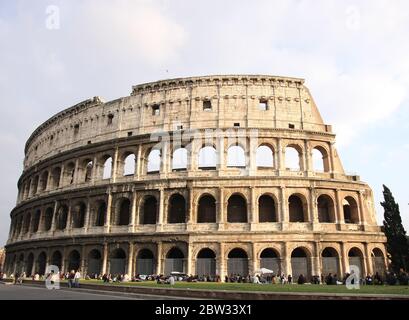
{"x":88,"y":168}
{"x":48,"y":218}
{"x":298,"y":208}
{"x":378,"y":261}
{"x":265,"y":156}
{"x":154,"y":160}
{"x":356,"y":258}
{"x":62,"y":217}
{"x":301,"y":263}
{"x":207,"y":158}
{"x":175,"y":261}
{"x":26,"y":223}
{"x":117,"y":260}
{"x":237,"y":209}
{"x":56,"y":259}
{"x":350,"y":208}
{"x":69,"y":173}
{"x":29,"y":265}
{"x":149,"y":210}
{"x":94,"y":263}
{"x":237,"y":264}
{"x":100,"y":214}
{"x":236,"y":156}
{"x":123,"y":212}
{"x":267,"y":209}
{"x":206,"y":263}
{"x":177,"y":209}
{"x":74,"y":260}
{"x":293,"y":157}
{"x":179,"y":159}
{"x":41,"y":263}
{"x":320,"y":159}
{"x":43,"y":184}
{"x":36,"y":221}
{"x":35,"y":185}
{"x":129,"y":164}
{"x":326,"y":209}
{"x":206,"y":212}
{"x":330,"y":262}
{"x":270,"y":259}
{"x":79,"y":212}
{"x":145,"y":262}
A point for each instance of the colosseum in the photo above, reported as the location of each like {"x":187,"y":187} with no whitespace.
{"x":213,"y":175}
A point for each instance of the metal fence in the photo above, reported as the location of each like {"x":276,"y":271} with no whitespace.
{"x":300,"y":266}
{"x":94,"y":266}
{"x":330,"y":265}
{"x":117,"y":266}
{"x":271,"y":264}
{"x":145,"y":266}
{"x":238,"y":266}
{"x":206,"y":267}
{"x":174,"y":265}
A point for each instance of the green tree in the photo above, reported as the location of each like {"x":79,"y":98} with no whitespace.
{"x":397,"y":243}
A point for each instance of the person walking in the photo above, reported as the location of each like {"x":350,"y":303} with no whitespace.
{"x":71,"y":276}
{"x":77,"y":278}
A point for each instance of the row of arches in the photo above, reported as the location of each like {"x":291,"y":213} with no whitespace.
{"x":87,"y":169}
{"x":178,"y":211}
{"x":206,"y":260}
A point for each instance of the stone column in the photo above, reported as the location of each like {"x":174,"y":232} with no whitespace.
{"x":115,"y":164}
{"x":221,"y":262}
{"x":87,"y":216}
{"x":159,"y":258}
{"x":69,"y":218}
{"x":139,"y":162}
{"x":129,"y":269}
{"x":49,"y":178}
{"x":307,"y":158}
{"x":361,"y":209}
{"x":105,"y":259}
{"x":109,"y":212}
{"x":317,"y":271}
{"x":62,"y":175}
{"x":344,"y":259}
{"x":368,"y":258}
{"x":252,"y":154}
{"x":253,"y":214}
{"x":94,"y":173}
{"x":314,"y":209}
{"x":55,"y":217}
{"x":84,"y":263}
{"x":281,"y":156}
{"x":133,"y":211}
{"x":161,"y":217}
{"x":165,"y":157}
{"x":190,"y":219}
{"x":189,"y":259}
{"x":76,"y":172}
{"x":332,"y":157}
{"x":255,"y":260}
{"x":286,"y":268}
{"x":339,"y":207}
{"x":221,"y":214}
{"x":221,"y":154}
{"x":285,"y":219}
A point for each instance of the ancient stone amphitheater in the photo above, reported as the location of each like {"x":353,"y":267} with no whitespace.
{"x":213,"y":175}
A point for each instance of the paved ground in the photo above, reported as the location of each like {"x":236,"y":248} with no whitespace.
{"x":23,"y":292}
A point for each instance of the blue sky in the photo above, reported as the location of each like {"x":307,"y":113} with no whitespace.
{"x":354,"y":56}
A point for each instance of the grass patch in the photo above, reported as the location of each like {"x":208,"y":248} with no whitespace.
{"x":400,"y":290}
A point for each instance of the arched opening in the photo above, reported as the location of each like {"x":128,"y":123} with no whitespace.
{"x":237,"y":209}
{"x":208,"y":158}
{"x":26,"y":224}
{"x":56,"y":260}
{"x":107,"y":170}
{"x":101,"y":214}
{"x":145,"y":263}
{"x":293,"y":159}
{"x":29,"y":265}
{"x":266,"y":209}
{"x":378,"y":262}
{"x":264,"y":157}
{"x":237,"y":264}
{"x":330,"y":262}
{"x":74,"y":260}
{"x":48,"y":219}
{"x":206,"y":263}
{"x":88,"y":171}
{"x":350,"y":210}
{"x":43,"y":181}
{"x":149,"y":212}
{"x":175,"y":261}
{"x":300,"y":264}
{"x":129,"y":165}
{"x":269,"y":259}
{"x":41,"y":263}
{"x":326,"y":211}
{"x":69,"y":173}
{"x":177,"y":209}
{"x":117,"y":262}
{"x":179,"y":159}
{"x":355,"y":258}
{"x":35,"y":185}
{"x":154,"y":161}
{"x":206,"y":212}
{"x":78,"y":215}
{"x":320,"y":160}
{"x":236,"y":157}
{"x":36,"y":221}
{"x":297,"y":210}
{"x":124,"y":212}
{"x":55,"y":178}
{"x":62,"y":218}
{"x":94,"y":263}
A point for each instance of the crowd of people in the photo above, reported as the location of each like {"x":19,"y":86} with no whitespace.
{"x":73,"y":277}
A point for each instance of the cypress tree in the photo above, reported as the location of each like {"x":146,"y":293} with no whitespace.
{"x":397,"y":243}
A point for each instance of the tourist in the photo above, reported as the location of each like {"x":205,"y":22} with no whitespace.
{"x":301,"y":279}
{"x":329,"y":279}
{"x":70,"y":277}
{"x":290,"y":279}
{"x":77,"y":278}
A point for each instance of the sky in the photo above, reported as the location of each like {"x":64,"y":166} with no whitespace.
{"x":354,"y":56}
